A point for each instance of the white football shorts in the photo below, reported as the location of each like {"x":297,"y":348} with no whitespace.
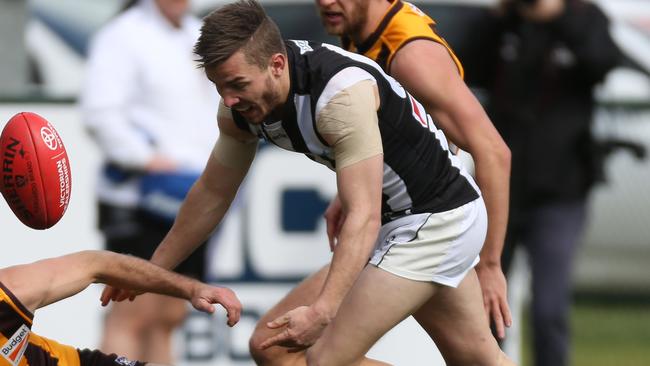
{"x":440,"y":247}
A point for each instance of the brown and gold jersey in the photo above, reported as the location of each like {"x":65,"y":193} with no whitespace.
{"x":21,"y":347}
{"x":402,"y":23}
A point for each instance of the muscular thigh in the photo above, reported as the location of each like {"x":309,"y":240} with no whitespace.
{"x":377,"y":302}
{"x":456,"y":321}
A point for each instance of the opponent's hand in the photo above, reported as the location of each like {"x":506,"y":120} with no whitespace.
{"x":334,"y":219}
{"x":495,"y":297}
{"x":204,"y":296}
{"x":302,"y":328}
{"x":111,"y":293}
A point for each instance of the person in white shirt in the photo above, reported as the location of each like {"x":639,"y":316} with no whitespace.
{"x":153,"y":115}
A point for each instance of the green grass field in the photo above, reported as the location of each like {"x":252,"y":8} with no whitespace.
{"x":607,"y":334}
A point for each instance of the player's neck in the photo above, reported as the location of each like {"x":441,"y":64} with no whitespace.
{"x":285,"y":87}
{"x":376,"y":11}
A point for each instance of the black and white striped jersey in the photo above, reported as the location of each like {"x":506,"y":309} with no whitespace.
{"x":420,"y":173}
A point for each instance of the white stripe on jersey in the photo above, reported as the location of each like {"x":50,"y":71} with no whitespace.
{"x":342,"y":80}
{"x":395,"y":189}
{"x":397,"y":87}
{"x":306,"y":126}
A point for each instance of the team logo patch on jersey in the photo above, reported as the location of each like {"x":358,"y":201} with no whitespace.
{"x":15,"y":346}
{"x":123,"y":361}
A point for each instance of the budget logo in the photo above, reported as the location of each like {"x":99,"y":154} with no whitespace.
{"x":15,"y":346}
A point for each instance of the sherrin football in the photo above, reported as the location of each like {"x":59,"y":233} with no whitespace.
{"x":36,"y":177}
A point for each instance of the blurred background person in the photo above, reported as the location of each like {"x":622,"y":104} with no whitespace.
{"x":153,"y":115}
{"x":539,"y":61}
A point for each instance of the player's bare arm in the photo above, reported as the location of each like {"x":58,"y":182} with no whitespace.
{"x":457,"y":112}
{"x":210,"y":197}
{"x":359,"y":174}
{"x":207,"y":201}
{"x":47,"y":281}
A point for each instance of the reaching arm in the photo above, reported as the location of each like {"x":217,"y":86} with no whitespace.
{"x":47,"y":281}
{"x":437,"y":84}
{"x":353,"y":132}
{"x":211,"y":196}
{"x":206,"y":202}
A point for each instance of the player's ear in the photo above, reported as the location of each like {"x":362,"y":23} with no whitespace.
{"x":278,"y":63}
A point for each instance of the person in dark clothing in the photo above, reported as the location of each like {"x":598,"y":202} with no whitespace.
{"x":538,"y":62}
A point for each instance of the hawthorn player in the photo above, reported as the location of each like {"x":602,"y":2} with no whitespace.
{"x":23,"y":290}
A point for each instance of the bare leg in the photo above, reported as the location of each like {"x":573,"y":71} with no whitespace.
{"x":455,"y":318}
{"x":303,"y":294}
{"x":137,"y":329}
{"x":170,"y":314}
{"x":359,"y":322}
{"x":456,"y":321}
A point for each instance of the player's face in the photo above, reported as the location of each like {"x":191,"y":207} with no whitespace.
{"x":343,"y":16}
{"x":246,"y":88}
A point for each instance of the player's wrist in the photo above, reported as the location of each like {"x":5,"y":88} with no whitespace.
{"x":489,"y":263}
{"x":326,"y":310}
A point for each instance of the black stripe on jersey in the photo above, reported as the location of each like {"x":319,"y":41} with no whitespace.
{"x":36,"y":356}
{"x":241,"y":122}
{"x":292,"y":129}
{"x":16,"y":301}
{"x":10,"y":321}
{"x":382,"y":58}
{"x":367,"y":44}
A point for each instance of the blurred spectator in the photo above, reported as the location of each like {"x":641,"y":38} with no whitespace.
{"x":153,"y":114}
{"x":538,"y":61}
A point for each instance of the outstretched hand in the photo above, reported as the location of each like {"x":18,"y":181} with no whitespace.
{"x":495,"y":297}
{"x":204,"y":296}
{"x":302,"y":328}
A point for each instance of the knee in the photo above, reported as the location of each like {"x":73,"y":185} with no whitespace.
{"x":267,"y":357}
{"x":259,"y":355}
{"x":172,"y":317}
{"x":124,"y":322}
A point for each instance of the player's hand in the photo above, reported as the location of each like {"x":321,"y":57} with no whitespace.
{"x":334,"y":219}
{"x":302,"y":328}
{"x":160,"y":164}
{"x":111,"y":293}
{"x":204,"y":296}
{"x":495,"y":296}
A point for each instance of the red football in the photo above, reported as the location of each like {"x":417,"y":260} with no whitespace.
{"x":36,"y":177}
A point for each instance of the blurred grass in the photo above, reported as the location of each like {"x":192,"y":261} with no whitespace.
{"x":605,"y":334}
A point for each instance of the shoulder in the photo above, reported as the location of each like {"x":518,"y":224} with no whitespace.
{"x":408,"y":23}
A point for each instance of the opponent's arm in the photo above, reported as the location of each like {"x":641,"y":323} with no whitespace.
{"x":47,"y":281}
{"x":426,"y":71}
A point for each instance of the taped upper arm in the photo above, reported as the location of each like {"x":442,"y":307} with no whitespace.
{"x":350,"y":125}
{"x":235,"y":148}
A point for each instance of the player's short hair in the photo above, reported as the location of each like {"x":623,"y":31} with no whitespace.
{"x":242,"y":25}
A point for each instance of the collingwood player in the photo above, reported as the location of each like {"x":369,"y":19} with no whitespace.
{"x":412,"y":219}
